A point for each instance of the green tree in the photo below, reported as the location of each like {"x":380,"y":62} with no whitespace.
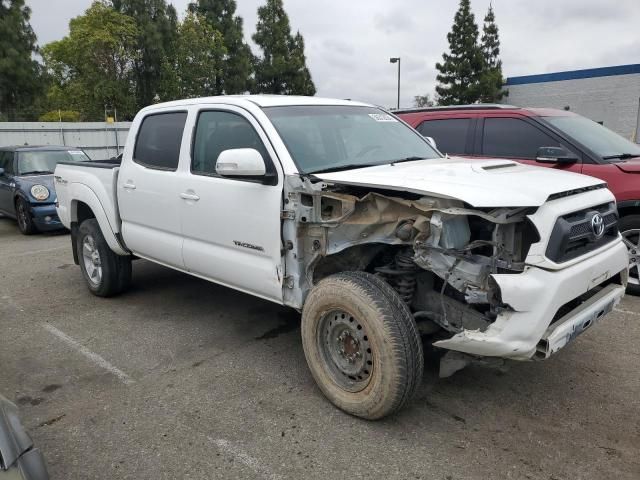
{"x":237,"y":67}
{"x":462,"y":68}
{"x":423,"y":101}
{"x":199,"y":58}
{"x":282,"y":68}
{"x":491,"y":82}
{"x":157,"y":25}
{"x":20,"y":79}
{"x":60,"y":116}
{"x":92,"y":66}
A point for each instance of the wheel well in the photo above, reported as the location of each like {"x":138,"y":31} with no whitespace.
{"x":356,"y":258}
{"x":83,"y":212}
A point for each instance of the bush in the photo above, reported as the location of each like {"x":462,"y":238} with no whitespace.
{"x":56,"y":115}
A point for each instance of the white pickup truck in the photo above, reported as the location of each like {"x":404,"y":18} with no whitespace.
{"x":343,"y":212}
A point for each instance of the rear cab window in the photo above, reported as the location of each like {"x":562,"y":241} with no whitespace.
{"x":159,"y":139}
{"x":450,"y":134}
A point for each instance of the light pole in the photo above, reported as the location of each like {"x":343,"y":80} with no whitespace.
{"x":397,"y":60}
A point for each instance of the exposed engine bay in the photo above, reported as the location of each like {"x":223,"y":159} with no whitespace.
{"x":438,"y":254}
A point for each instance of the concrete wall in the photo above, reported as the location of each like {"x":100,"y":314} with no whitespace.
{"x":613,"y":100}
{"x":99,"y":140}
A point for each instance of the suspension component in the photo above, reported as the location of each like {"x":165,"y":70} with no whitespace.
{"x":401,"y":275}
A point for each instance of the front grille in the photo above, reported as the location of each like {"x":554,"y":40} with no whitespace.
{"x":573,"y":234}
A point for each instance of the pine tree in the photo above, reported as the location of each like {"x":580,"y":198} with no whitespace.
{"x":157,"y":25}
{"x":492,"y":81}
{"x":461,"y":71}
{"x":19,"y":72}
{"x":237,"y":66}
{"x":282,"y":68}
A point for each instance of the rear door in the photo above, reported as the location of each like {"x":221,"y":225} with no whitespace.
{"x":6,"y":182}
{"x":453,"y":136}
{"x":519,"y":139}
{"x":148,"y":188}
{"x":231,"y":225}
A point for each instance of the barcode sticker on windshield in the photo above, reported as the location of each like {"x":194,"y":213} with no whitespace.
{"x":382,"y":117}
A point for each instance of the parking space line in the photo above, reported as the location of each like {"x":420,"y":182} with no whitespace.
{"x":628,"y":312}
{"x":244,"y":458}
{"x":35,"y":252}
{"x":94,"y":357}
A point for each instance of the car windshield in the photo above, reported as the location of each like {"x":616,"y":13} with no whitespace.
{"x":329,"y":138}
{"x":597,"y":138}
{"x":45,"y":161}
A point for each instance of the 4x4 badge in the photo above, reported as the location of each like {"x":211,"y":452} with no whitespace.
{"x":597,"y":225}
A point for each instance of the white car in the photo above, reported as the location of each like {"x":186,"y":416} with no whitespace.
{"x":343,"y":212}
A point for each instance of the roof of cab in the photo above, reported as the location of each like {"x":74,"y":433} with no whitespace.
{"x":260,"y":101}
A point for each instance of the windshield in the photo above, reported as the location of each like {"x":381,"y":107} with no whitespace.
{"x":598,"y":139}
{"x":325,"y":138}
{"x":43,"y":161}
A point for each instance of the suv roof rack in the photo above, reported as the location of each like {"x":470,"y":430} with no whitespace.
{"x":475,"y":106}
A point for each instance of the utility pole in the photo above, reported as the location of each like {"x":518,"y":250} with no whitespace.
{"x":397,"y":60}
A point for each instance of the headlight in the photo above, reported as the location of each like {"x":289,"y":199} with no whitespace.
{"x":40,"y":192}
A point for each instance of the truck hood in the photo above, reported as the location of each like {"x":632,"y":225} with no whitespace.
{"x":480,"y":183}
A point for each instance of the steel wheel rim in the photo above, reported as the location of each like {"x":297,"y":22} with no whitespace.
{"x":346,"y":350}
{"x":22,"y":215}
{"x":91,"y":260}
{"x":631,"y":239}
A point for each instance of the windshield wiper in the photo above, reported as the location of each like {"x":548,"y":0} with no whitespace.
{"x":350,"y":166}
{"x":407,"y":159}
{"x":37,"y":172}
{"x":621,"y":156}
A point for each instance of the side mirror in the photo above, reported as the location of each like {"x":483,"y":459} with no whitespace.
{"x":555,"y":155}
{"x":431,"y":141}
{"x":240,"y":162}
{"x":1,"y":172}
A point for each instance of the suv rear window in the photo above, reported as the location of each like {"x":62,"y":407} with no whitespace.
{"x":159,"y":139}
{"x":513,"y":138}
{"x":450,"y":134}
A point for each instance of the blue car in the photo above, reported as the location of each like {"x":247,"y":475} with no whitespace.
{"x":26,"y":184}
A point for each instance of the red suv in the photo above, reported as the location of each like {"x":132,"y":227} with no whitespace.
{"x":544,"y":137}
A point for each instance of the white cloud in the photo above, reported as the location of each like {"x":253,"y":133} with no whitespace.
{"x":349,"y":42}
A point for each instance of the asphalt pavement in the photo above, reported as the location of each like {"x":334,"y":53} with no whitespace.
{"x":181,"y":378}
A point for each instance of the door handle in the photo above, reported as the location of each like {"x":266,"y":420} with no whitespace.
{"x":129,"y":185}
{"x":190,"y":196}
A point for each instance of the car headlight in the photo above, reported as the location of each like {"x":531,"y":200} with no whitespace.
{"x":40,"y":192}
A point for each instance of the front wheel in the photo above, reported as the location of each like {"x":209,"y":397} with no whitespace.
{"x":361,"y":344}
{"x":630,"y":229}
{"x":105,"y":272}
{"x":25,"y":221}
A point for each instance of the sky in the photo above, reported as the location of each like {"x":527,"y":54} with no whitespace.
{"x":348,"y":43}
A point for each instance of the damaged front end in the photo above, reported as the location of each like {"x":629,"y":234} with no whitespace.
{"x":437,"y":253}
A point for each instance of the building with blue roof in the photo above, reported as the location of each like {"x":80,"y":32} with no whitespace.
{"x":608,"y":95}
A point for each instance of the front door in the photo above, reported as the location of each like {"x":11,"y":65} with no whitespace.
{"x":149,"y":189}
{"x":6,"y":182}
{"x":231,"y":225}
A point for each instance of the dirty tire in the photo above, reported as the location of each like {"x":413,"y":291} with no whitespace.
{"x":393,"y":339}
{"x":115,"y":276}
{"x":629,"y":227}
{"x":25,"y":222}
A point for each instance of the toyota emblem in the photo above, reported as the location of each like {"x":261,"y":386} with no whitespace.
{"x":597,"y":225}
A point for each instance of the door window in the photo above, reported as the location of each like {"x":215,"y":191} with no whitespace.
{"x":512,"y":137}
{"x":158,"y":142}
{"x":217,"y":131}
{"x":450,"y":134}
{"x":6,"y":162}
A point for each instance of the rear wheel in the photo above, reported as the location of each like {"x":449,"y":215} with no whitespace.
{"x":105,"y":272}
{"x":630,"y":228}
{"x":361,"y":344}
{"x":25,"y":221}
